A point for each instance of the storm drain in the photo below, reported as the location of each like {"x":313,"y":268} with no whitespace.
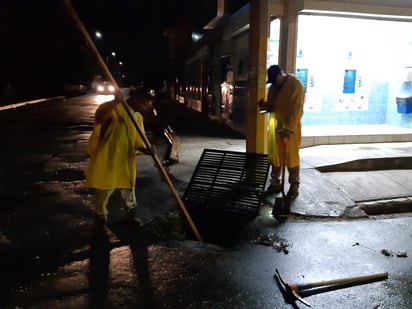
{"x":387,"y":206}
{"x":227,"y":184}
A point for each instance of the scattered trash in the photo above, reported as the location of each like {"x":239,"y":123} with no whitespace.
{"x":397,"y":254}
{"x":402,"y":254}
{"x":168,"y":226}
{"x":275,"y":241}
{"x":385,"y":252}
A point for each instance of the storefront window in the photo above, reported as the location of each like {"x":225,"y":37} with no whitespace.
{"x":353,"y":69}
{"x":273,"y":43}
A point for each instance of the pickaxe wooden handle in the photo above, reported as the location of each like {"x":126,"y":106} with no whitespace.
{"x":290,"y":290}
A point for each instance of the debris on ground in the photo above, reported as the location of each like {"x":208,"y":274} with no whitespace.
{"x":402,"y":254}
{"x":385,"y":252}
{"x":167,"y":226}
{"x":397,"y":254}
{"x":274,"y":241}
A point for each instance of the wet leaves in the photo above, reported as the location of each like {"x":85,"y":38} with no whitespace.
{"x":273,"y":240}
{"x":166,"y":227}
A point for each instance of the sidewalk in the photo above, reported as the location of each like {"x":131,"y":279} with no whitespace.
{"x":334,"y":178}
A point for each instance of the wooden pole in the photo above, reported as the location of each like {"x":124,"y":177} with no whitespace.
{"x":107,"y":72}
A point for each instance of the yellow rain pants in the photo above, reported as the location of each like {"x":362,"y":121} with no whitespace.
{"x":287,"y":111}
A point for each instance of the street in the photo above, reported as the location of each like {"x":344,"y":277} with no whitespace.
{"x":51,"y":259}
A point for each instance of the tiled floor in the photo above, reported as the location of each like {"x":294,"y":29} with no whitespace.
{"x":354,"y":134}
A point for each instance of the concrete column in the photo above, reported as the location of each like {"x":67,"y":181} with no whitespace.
{"x":288,"y":35}
{"x":256,"y":127}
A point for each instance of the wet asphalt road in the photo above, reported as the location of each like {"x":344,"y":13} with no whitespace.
{"x":46,"y":213}
{"x":51,"y":259}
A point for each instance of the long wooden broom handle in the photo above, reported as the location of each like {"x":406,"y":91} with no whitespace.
{"x":107,"y":72}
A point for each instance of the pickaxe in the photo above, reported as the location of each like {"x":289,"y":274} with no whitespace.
{"x":291,"y":290}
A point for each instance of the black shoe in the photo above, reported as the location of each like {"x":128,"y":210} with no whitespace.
{"x":293,"y":193}
{"x":100,"y":226}
{"x":170,"y":162}
{"x":131,"y":218}
{"x":274,"y":189}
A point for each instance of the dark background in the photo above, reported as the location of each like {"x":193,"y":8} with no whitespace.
{"x":42,"y":50}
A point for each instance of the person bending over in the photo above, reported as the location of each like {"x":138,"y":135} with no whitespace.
{"x":112,"y":148}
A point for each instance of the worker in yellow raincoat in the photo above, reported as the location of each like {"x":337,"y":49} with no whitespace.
{"x":285,"y":104}
{"x":112,"y":148}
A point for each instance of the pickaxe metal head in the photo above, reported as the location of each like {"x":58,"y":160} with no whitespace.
{"x":289,"y":291}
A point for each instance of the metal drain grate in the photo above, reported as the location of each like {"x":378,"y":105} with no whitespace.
{"x":226,"y":183}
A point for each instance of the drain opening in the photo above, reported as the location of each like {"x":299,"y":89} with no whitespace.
{"x":386,"y":207}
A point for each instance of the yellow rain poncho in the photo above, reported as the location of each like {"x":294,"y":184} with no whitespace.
{"x":112,"y":152}
{"x":287,"y":111}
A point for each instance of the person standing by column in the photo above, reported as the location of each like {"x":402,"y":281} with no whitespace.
{"x":285,"y":104}
{"x":112,"y":148}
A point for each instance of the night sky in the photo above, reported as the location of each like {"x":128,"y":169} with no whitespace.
{"x":135,"y":28}
{"x":45,"y":50}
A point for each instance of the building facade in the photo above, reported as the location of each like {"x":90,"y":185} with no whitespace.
{"x":354,"y":59}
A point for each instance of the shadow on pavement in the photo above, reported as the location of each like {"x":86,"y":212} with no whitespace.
{"x":99,"y":266}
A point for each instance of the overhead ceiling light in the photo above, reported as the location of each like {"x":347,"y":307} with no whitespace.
{"x":355,"y":14}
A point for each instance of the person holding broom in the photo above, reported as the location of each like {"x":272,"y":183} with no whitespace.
{"x":112,"y":148}
{"x":285,"y":104}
